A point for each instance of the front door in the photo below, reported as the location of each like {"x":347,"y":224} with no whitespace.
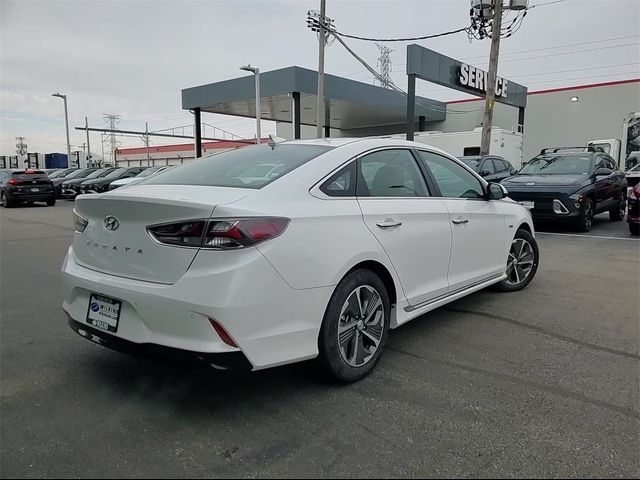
{"x":413,"y":228}
{"x":479,"y":251}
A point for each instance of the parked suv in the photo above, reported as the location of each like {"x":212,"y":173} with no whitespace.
{"x":570,"y":185}
{"x":492,"y":168}
{"x":25,"y":186}
{"x":71,"y":188}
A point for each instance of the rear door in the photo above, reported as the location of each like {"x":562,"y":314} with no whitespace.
{"x":479,"y":250}
{"x":412,"y":227}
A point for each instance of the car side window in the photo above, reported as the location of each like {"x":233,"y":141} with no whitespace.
{"x":453,"y":180}
{"x":390,"y":173}
{"x":500,"y":165}
{"x":600,"y":162}
{"x":487,"y":167}
{"x":341,"y":183}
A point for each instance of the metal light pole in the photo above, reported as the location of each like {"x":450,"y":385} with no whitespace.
{"x":66,"y":123}
{"x":490,"y":101}
{"x":256,"y":73}
{"x":86,"y":128}
{"x":320,"y":94}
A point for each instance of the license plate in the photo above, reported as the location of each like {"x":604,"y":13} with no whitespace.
{"x":529,"y":205}
{"x":35,"y":189}
{"x":104,"y":312}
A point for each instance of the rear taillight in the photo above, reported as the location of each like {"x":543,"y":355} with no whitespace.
{"x":183,"y":234}
{"x":79,"y":223}
{"x":634,"y":193}
{"x":221,"y":234}
{"x":13,"y":181}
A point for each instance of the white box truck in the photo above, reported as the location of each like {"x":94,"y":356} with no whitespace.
{"x":504,"y":143}
{"x":625,"y":150}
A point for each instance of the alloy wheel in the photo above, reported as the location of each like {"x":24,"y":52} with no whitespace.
{"x":520,"y":263}
{"x":3,"y":200}
{"x":361,"y":326}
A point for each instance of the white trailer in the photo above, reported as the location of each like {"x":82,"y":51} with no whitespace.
{"x":626,"y":150}
{"x":504,"y":143}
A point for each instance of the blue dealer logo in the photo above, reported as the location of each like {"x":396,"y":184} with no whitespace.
{"x":95,"y":307}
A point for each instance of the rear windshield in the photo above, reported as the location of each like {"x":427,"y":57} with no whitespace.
{"x":558,"y":165}
{"x":30,"y":176}
{"x":247,"y":167}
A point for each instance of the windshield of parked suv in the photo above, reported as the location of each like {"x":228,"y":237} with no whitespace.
{"x":472,"y":162}
{"x":558,"y":165}
{"x":247,"y":167}
{"x":115,"y":174}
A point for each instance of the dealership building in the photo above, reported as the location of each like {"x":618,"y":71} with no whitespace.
{"x":568,"y":116}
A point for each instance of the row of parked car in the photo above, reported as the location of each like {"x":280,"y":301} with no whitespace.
{"x":29,"y":185}
{"x":568,"y":185}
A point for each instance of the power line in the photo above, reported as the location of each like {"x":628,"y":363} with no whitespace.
{"x":547,"y":3}
{"x":516,"y":52}
{"x":408,"y":39}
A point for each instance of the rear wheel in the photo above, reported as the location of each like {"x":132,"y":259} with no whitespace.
{"x":617,"y":214}
{"x":585,"y":220}
{"x":355,"y":327}
{"x":5,"y":201}
{"x":51,"y":202}
{"x":634,"y":228}
{"x":522,"y":263}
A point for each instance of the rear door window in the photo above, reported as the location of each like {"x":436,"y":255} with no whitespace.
{"x":390,"y":173}
{"x":247,"y":167}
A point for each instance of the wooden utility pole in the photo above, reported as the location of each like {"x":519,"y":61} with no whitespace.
{"x":491,"y":81}
{"x":320,"y":104}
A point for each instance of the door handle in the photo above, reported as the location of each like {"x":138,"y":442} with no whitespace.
{"x":388,"y":224}
{"x":460,"y":221}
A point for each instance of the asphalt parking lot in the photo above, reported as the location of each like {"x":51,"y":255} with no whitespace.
{"x":539,"y":383}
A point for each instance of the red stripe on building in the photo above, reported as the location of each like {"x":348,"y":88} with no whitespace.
{"x":560,"y":89}
{"x":182,"y":147}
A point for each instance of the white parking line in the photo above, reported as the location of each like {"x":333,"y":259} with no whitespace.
{"x":602,"y":237}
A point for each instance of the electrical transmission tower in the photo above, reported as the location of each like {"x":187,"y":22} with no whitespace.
{"x":21,"y":146}
{"x":384,"y":66}
{"x":112,"y":120}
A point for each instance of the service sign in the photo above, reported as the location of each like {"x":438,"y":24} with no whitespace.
{"x":436,"y":68}
{"x":472,"y":77}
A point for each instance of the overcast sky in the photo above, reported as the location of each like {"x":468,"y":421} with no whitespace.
{"x":133,"y":58}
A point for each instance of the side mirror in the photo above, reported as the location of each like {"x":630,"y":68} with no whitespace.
{"x":603,"y":172}
{"x":495,"y":191}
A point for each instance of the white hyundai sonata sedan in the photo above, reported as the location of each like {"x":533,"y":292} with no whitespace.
{"x":279,"y":253}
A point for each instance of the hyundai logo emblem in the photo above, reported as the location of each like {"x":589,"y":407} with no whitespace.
{"x":111,"y":223}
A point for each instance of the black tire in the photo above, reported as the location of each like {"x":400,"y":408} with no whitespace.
{"x":6,"y":202}
{"x":510,"y":284}
{"x":617,"y":214}
{"x":634,"y":228}
{"x":331,"y":359}
{"x":51,"y":203}
{"x":585,"y":219}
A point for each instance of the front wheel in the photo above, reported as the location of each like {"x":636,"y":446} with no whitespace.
{"x":634,"y":228}
{"x":585,"y":220}
{"x":617,"y":214}
{"x":51,"y":202}
{"x":522,"y":263}
{"x":355,"y":327}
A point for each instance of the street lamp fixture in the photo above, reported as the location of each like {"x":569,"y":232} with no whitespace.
{"x":256,"y":73}
{"x":66,"y":124}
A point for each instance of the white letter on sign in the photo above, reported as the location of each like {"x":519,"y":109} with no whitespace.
{"x":464,"y":75}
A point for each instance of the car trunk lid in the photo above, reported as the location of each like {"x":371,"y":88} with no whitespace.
{"x":124,"y":248}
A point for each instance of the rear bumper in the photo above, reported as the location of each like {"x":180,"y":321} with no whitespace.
{"x":272,"y":323}
{"x":221,"y":361}
{"x":31,"y":197}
